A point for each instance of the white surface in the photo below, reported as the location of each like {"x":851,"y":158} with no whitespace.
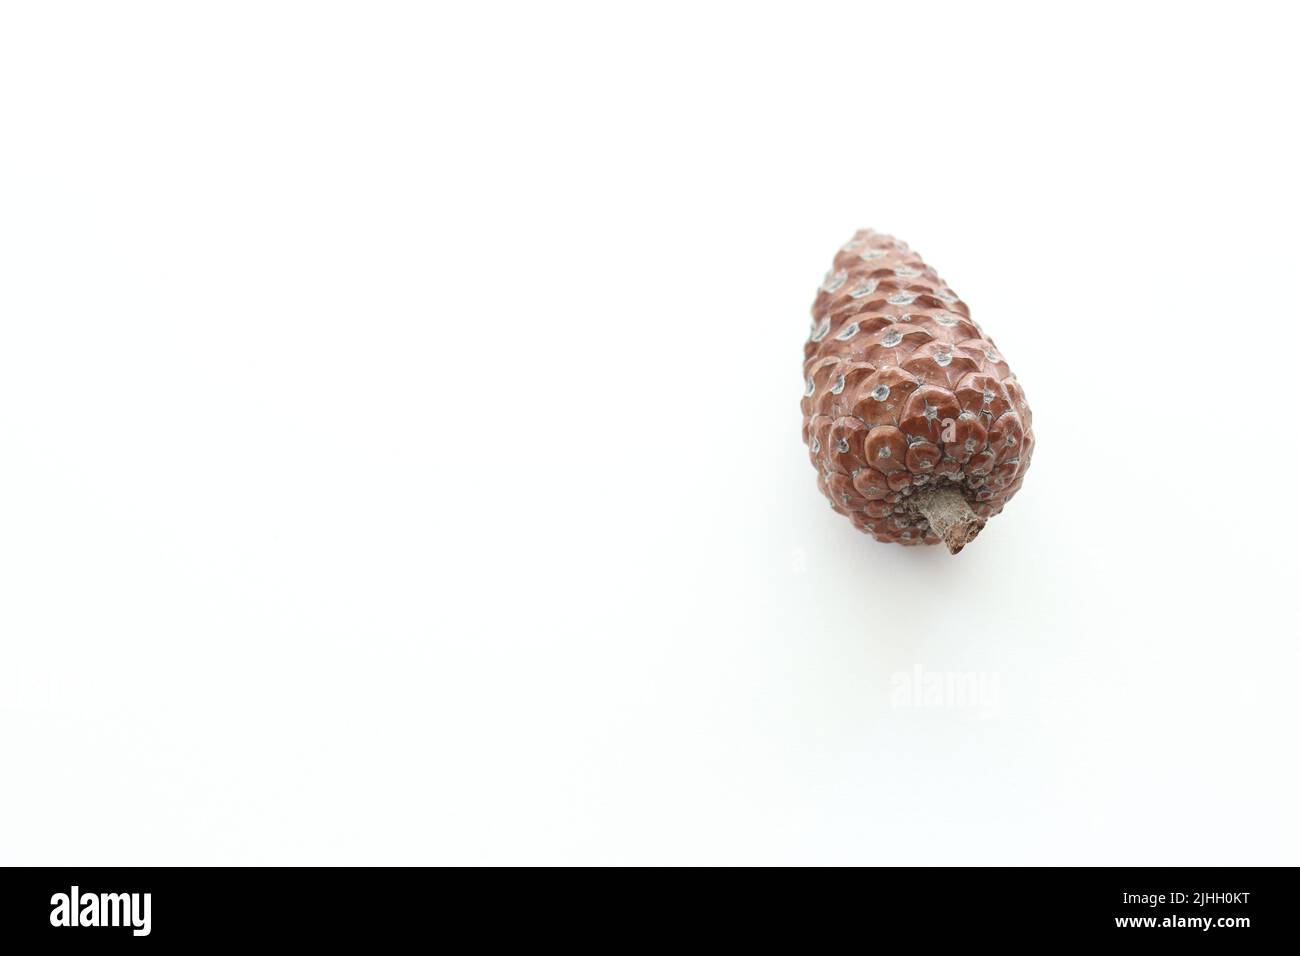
{"x":400,"y":435}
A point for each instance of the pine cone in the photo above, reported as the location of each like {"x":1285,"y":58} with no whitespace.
{"x":917,"y":428}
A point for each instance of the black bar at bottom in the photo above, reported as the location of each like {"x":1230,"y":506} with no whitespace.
{"x":372,"y":906}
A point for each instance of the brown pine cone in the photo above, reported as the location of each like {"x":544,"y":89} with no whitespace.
{"x":917,"y":428}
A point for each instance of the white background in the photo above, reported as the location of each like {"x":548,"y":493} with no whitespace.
{"x":399,"y":431}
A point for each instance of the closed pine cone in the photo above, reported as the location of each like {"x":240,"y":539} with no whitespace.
{"x":917,"y":428}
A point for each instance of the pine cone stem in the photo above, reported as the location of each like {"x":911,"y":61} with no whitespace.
{"x":949,"y":515}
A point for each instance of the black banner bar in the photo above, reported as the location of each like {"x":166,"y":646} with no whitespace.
{"x":1229,"y":907}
